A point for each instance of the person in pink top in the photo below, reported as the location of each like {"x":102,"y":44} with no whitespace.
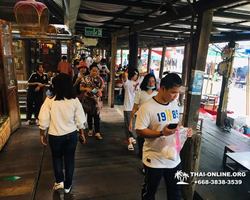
{"x":64,"y":66}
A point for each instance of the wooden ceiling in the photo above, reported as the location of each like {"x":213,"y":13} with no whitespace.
{"x":158,"y":22}
{"x":163,"y":21}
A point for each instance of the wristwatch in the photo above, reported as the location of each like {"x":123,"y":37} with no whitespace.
{"x":161,"y":134}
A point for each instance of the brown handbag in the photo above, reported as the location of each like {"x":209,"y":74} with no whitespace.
{"x":89,"y":105}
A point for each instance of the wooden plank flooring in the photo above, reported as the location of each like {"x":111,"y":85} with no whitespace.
{"x":213,"y":142}
{"x":106,"y":170}
{"x":20,"y":157}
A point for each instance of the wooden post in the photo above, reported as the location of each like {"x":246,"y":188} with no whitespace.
{"x":190,"y":155}
{"x":162,"y":60}
{"x":121,"y":57}
{"x":210,"y":70}
{"x":102,"y":53}
{"x":222,"y":109}
{"x":140,"y":52}
{"x":184,"y":70}
{"x":149,"y":58}
{"x":111,"y":93}
{"x":133,"y":50}
{"x":247,"y":88}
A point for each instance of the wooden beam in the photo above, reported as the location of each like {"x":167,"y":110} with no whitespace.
{"x":111,"y":93}
{"x":81,"y":21}
{"x":247,"y":88}
{"x":149,"y":58}
{"x":184,"y":70}
{"x":231,"y":15}
{"x":184,"y":12}
{"x":111,"y":14}
{"x":121,"y":57}
{"x":234,"y":6}
{"x":164,"y":48}
{"x":190,"y":159}
{"x":215,"y":24}
{"x":152,"y":6}
{"x":167,"y":34}
{"x":133,"y":50}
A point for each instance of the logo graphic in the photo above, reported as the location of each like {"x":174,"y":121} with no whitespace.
{"x":136,"y":87}
{"x":181,"y":176}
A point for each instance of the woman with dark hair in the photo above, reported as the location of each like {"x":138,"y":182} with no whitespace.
{"x":131,"y":83}
{"x":36,"y":83}
{"x":62,"y":113}
{"x":92,"y":87}
{"x":148,"y":90}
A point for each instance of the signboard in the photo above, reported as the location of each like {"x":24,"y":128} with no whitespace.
{"x":196,"y":82}
{"x":93,"y":32}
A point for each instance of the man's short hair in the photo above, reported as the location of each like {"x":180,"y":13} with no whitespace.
{"x":38,"y":65}
{"x":64,"y":57}
{"x":171,"y":80}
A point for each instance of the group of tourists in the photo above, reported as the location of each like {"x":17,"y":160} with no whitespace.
{"x":151,"y":117}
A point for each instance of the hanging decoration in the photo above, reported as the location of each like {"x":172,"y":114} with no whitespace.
{"x":223,"y":68}
{"x":226,"y":53}
{"x":32,"y":18}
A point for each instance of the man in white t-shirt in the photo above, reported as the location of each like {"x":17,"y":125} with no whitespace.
{"x":102,"y":64}
{"x":131,"y":83}
{"x":152,"y":122}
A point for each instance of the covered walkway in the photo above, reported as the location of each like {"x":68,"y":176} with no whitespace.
{"x":105,"y":170}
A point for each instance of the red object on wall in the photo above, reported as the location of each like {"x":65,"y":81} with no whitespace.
{"x":46,"y":50}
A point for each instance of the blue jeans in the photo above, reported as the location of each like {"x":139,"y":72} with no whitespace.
{"x":63,"y":147}
{"x":152,"y":180}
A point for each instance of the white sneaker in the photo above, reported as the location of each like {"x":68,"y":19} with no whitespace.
{"x":133,"y":140}
{"x":130,"y":147}
{"x":67,"y":190}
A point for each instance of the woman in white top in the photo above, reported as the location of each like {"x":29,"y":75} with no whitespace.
{"x":148,"y":90}
{"x":63,"y":114}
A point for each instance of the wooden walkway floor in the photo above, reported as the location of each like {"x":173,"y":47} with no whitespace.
{"x":105,"y":170}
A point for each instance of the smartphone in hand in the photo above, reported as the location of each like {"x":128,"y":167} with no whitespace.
{"x":172,"y":126}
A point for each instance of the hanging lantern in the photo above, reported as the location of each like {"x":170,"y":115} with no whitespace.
{"x":32,"y":18}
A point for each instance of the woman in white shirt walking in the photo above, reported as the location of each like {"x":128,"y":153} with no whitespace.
{"x":148,"y":90}
{"x":62,"y":112}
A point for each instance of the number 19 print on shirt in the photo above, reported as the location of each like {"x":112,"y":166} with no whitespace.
{"x":168,"y":115}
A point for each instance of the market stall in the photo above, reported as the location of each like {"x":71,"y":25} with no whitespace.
{"x":9,"y":106}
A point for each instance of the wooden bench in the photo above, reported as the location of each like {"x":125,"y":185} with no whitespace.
{"x":232,"y":149}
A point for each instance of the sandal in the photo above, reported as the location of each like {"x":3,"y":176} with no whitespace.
{"x":90,"y":134}
{"x":130,"y":147}
{"x":28,"y":123}
{"x":98,"y":136}
{"x":133,"y":140}
{"x":81,"y":140}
